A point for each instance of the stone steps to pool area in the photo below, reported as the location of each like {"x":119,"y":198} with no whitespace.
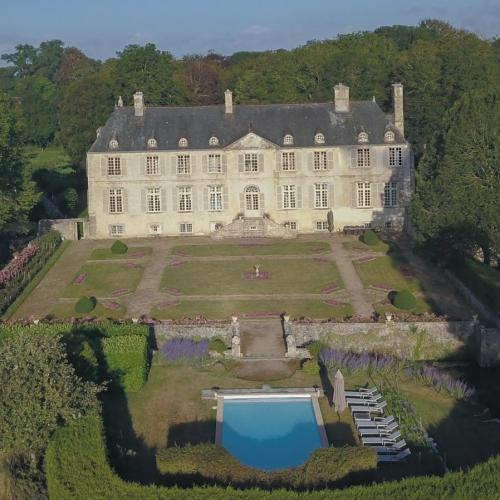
{"x":262,"y":339}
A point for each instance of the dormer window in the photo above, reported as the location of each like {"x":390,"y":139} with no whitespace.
{"x":288,"y":140}
{"x":213,"y":141}
{"x":362,"y":137}
{"x":183,"y":142}
{"x":152,"y":143}
{"x":319,"y":138}
{"x":113,"y":144}
{"x":389,"y":136}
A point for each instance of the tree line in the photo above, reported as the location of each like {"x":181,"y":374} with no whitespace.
{"x":57,"y":94}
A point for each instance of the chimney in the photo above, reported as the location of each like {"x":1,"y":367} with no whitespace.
{"x":397,"y":99}
{"x":139,"y":104}
{"x":228,"y":100}
{"x":341,"y":98}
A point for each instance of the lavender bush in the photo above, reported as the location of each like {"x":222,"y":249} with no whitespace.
{"x":353,"y":362}
{"x":182,"y":350}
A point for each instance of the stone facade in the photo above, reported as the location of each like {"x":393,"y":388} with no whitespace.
{"x":358,"y":165}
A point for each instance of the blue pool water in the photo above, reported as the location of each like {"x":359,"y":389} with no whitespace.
{"x":270,"y":434}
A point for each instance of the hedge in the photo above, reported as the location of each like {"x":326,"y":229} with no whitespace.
{"x":369,"y":237}
{"x":210,"y":464}
{"x":404,"y":299}
{"x":77,"y":469}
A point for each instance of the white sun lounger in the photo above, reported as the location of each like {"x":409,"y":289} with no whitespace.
{"x":395,"y":457}
{"x":383,"y":440}
{"x":361,"y":393}
{"x":379,"y":408}
{"x":378,"y":431}
{"x":377,"y":422}
{"x":391,"y":448}
{"x":364,"y":401}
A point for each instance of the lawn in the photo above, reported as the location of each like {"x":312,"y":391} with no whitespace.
{"x":249,"y":249}
{"x":224,"y":309}
{"x":132,"y":253}
{"x":228,"y":277}
{"x":64,"y":310}
{"x":421,"y":307}
{"x":380,"y":246}
{"x":104,"y":280}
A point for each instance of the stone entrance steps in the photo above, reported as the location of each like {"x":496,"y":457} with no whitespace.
{"x":253,"y":227}
{"x":262,"y":339}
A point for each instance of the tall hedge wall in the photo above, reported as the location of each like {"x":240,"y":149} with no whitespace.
{"x":77,"y":469}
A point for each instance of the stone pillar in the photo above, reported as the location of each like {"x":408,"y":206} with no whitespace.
{"x":397,"y":99}
{"x":235,"y":339}
{"x":291,"y":346}
{"x":341,"y":93}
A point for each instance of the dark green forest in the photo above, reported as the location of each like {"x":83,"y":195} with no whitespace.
{"x":56,"y":95}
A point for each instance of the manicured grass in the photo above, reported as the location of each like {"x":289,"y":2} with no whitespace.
{"x":224,"y":309}
{"x":103,"y":278}
{"x":132,"y":253}
{"x":279,"y":248}
{"x":227,"y":277}
{"x":380,"y":246}
{"x":51,"y":158}
{"x":65,"y":310}
{"x":421,"y":307}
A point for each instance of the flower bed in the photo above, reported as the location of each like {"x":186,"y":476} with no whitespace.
{"x":366,"y":258}
{"x":335,"y":303}
{"x":17,"y":265}
{"x":168,"y":303}
{"x":80,"y":279}
{"x":111,"y":305}
{"x":185,"y":350}
{"x":173,"y":291}
{"x":177,"y":263}
{"x":131,"y":265}
{"x":260,"y":314}
{"x":330,"y":288}
{"x":250,"y":275}
{"x":322,"y":260}
{"x":383,"y":286}
{"x":119,"y":292}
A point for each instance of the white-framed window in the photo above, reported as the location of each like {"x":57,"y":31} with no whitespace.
{"x":252,"y":198}
{"x":389,"y":136}
{"x":153,"y":200}
{"x":391,"y":194}
{"x":363,"y":157}
{"x":364,"y":194}
{"x":113,"y":144}
{"x":183,"y":164}
{"x":116,"y":201}
{"x":155,"y":228}
{"x":114,"y":165}
{"x":185,"y":198}
{"x":183,"y":142}
{"x":321,"y":195}
{"x":215,"y":198}
{"x":152,"y":143}
{"x":362,"y":137}
{"x":152,"y":165}
{"x":251,"y":162}
{"x":289,"y":193}
{"x":214,"y":164}
{"x":320,"y":162}
{"x":288,"y":140}
{"x":291,"y":224}
{"x":185,"y":227}
{"x":288,"y":161}
{"x":319,"y":138}
{"x":213,"y":141}
{"x":321,"y":225}
{"x":395,"y":157}
{"x":117,"y":229}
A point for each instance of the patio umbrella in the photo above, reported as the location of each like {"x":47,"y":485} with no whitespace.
{"x":339,"y":392}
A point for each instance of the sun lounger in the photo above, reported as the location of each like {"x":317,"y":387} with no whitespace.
{"x":391,"y":448}
{"x":379,"y":408}
{"x":377,"y":422}
{"x":390,"y":438}
{"x":378,"y":431}
{"x":361,"y":393}
{"x":395,"y":457}
{"x":365,"y":401}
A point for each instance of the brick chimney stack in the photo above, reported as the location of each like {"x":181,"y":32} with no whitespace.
{"x":139,"y":104}
{"x":228,"y":101}
{"x":397,"y":99}
{"x":341,"y":98}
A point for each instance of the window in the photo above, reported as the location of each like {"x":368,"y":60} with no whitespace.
{"x":114,"y":166}
{"x":183,"y":142}
{"x":319,"y":138}
{"x":362,"y":137}
{"x":321,"y":195}
{"x":155,"y":228}
{"x":153,"y":202}
{"x":215,"y":198}
{"x":152,"y":165}
{"x":288,"y":161}
{"x":152,"y":143}
{"x":395,"y":157}
{"x":391,"y":194}
{"x":183,"y":164}
{"x":251,"y":162}
{"x":291,"y":224}
{"x":363,"y":157}
{"x":321,"y":225}
{"x":185,"y":199}
{"x":389,"y":136}
{"x":185,"y":227}
{"x":213,"y":141}
{"x":364,"y":194}
{"x":252,"y":198}
{"x":288,"y":140}
{"x":289,"y":193}
{"x":117,"y":229}
{"x":214,"y":164}
{"x":116,"y":201}
{"x":320,"y":160}
{"x":113,"y":144}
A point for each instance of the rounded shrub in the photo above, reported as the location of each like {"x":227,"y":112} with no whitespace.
{"x":315,"y":347}
{"x":311,"y":367}
{"x":85,"y":304}
{"x":369,"y":237}
{"x":404,"y":299}
{"x":118,"y":247}
{"x":217,"y":345}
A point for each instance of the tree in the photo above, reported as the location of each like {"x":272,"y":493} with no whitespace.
{"x":73,"y":66}
{"x":22,"y":60}
{"x":201,"y":78}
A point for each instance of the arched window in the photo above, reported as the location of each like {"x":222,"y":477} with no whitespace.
{"x":252,"y":198}
{"x":152,"y":143}
{"x":213,"y":141}
{"x":319,"y":138}
{"x":288,"y":140}
{"x":113,"y":144}
{"x":183,"y":142}
{"x":389,"y":136}
{"x":362,"y":137}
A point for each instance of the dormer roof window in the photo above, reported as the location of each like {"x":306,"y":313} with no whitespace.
{"x":362,"y":137}
{"x":213,"y":141}
{"x":152,"y":143}
{"x":113,"y":144}
{"x":183,"y":142}
{"x":288,"y":140}
{"x":389,"y":136}
{"x":319,"y":138}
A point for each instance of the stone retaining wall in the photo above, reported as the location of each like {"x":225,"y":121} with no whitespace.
{"x":165,"y":331}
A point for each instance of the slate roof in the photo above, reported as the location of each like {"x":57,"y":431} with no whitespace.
{"x":198,"y":123}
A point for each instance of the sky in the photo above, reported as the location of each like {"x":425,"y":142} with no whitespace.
{"x":102,"y":27}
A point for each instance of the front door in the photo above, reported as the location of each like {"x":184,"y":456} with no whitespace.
{"x":252,"y":201}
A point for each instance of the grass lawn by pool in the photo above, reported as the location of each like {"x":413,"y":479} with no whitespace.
{"x":278,"y":248}
{"x":64,"y":310}
{"x":228,"y":277}
{"x":132,"y":253}
{"x":224,"y":309}
{"x":103,"y":279}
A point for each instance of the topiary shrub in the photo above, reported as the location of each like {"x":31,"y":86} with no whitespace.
{"x":217,"y":345}
{"x":315,"y":347}
{"x":85,"y":304}
{"x":369,"y":237}
{"x":311,"y":367}
{"x":118,"y":247}
{"x":404,"y":299}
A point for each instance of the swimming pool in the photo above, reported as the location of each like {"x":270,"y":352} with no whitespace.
{"x":271,"y":433}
